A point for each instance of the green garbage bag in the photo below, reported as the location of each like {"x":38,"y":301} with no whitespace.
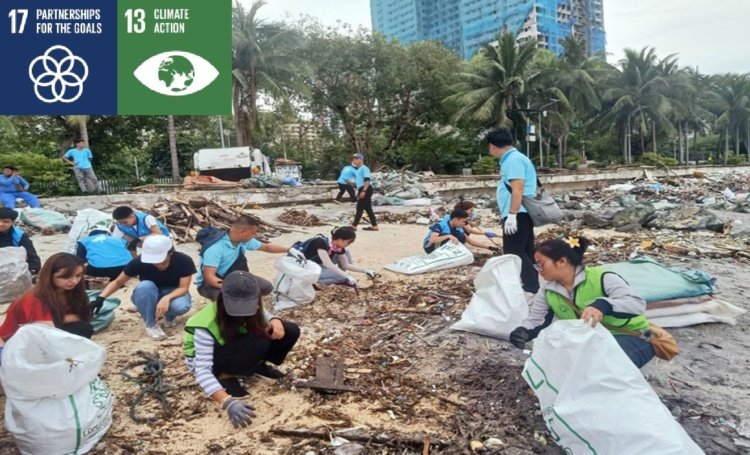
{"x":106,"y":314}
{"x":44,"y":219}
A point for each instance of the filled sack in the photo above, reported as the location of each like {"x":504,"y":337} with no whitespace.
{"x":445,"y":257}
{"x":595,"y":400}
{"x":499,"y":304}
{"x":85,"y":220}
{"x":293,"y":284}
{"x":43,"y":219}
{"x":14,"y":273}
{"x":55,"y":402}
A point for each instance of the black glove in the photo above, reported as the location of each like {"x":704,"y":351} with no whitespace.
{"x":495,"y":250}
{"x":98,"y":304}
{"x":133,"y":245}
{"x":519,"y":337}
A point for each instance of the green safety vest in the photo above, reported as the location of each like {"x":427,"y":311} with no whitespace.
{"x":204,"y":319}
{"x":590,"y":289}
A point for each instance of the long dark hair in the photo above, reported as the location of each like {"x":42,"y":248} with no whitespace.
{"x":561,"y":248}
{"x":74,"y":301}
{"x":229,"y":326}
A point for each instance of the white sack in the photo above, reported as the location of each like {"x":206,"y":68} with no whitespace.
{"x":692,"y":314}
{"x":293,"y":284}
{"x":15,"y":278}
{"x":445,"y":257}
{"x":84,"y":221}
{"x":55,"y":404}
{"x":594,"y":400}
{"x":499,"y":304}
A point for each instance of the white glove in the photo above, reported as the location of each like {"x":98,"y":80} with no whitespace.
{"x":511,"y":224}
{"x":370,"y":272}
{"x":350,"y":280}
{"x":297,"y":254}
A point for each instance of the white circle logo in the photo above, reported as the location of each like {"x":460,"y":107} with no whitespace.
{"x":58,"y":80}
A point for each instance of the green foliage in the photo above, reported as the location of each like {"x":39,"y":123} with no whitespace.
{"x":46,"y":176}
{"x":485,"y":166}
{"x":442,"y":154}
{"x":654,"y":159}
{"x":573,"y":160}
{"x":737,"y":159}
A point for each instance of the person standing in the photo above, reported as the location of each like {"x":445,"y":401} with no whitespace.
{"x":80,"y":158}
{"x":12,"y":187}
{"x":165,"y":276}
{"x":517,"y":179}
{"x":346,"y":181}
{"x":364,"y":193}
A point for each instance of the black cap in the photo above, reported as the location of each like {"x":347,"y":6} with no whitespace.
{"x":240,"y":294}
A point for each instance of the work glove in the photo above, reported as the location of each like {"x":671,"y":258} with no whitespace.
{"x":519,"y":337}
{"x":98,"y":304}
{"x":511,"y":224}
{"x":297,"y":254}
{"x":351,"y":281}
{"x":371,"y":273}
{"x":240,"y":413}
{"x":490,"y":234}
{"x":496,"y":250}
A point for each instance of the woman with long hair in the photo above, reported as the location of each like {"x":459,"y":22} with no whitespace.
{"x":333,"y":256}
{"x":59,"y":299}
{"x":574,"y":291}
{"x":234,"y":337}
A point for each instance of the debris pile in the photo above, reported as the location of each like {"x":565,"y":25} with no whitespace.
{"x":300,"y":218}
{"x":186,"y":218}
{"x":401,"y":188}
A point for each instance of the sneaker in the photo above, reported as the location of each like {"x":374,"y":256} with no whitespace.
{"x":265,"y":370}
{"x":233,"y":387}
{"x":155,"y":332}
{"x":338,"y":202}
{"x":169,"y":324}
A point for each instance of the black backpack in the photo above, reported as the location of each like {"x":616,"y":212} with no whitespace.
{"x":207,"y":236}
{"x":301,"y":245}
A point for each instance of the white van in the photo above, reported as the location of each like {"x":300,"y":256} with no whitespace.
{"x":231,"y":163}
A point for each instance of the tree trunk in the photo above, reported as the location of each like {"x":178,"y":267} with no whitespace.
{"x":687,"y":145}
{"x":625,"y":145}
{"x":641,"y":133}
{"x":747,"y":142}
{"x":737,"y":140}
{"x":680,"y":138}
{"x":173,"y":149}
{"x":84,"y":130}
{"x":254,"y":121}
{"x":653,"y":133}
{"x":560,"y":154}
{"x":239,"y":114}
{"x":726,"y":144}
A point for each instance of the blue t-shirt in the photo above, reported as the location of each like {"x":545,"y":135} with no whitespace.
{"x":348,"y":173}
{"x":443,"y":227}
{"x":514,"y":165}
{"x":222,"y":255}
{"x":363,"y":172}
{"x":103,"y":251}
{"x":82,"y":158}
{"x":8,"y":184}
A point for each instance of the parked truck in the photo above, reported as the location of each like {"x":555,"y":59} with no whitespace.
{"x":230,"y":163}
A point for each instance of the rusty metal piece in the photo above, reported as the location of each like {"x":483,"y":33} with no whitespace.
{"x":329,"y":376}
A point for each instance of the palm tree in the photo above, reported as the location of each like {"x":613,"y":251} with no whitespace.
{"x":494,"y":82}
{"x":733,"y":114}
{"x":80,"y":123}
{"x":263,"y":62}
{"x":173,"y":149}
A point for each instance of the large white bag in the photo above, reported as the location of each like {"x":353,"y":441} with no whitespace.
{"x":695,"y":313}
{"x":84,"y":221}
{"x":15,"y":278}
{"x":55,"y":403}
{"x":499,"y":304}
{"x":294,"y":283}
{"x":595,"y":400}
{"x":445,"y":257}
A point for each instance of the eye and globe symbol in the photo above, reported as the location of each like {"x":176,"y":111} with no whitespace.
{"x":176,"y":73}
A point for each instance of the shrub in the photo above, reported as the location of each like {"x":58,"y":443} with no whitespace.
{"x":737,"y":159}
{"x":485,"y":166}
{"x":47,"y":176}
{"x":654,"y":159}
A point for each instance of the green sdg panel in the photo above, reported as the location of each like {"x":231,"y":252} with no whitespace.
{"x":174,"y":57}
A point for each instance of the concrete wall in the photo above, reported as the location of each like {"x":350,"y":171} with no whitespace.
{"x":449,"y":187}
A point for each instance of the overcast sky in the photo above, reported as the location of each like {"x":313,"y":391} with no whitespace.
{"x":710,"y":34}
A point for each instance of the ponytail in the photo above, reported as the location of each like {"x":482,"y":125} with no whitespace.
{"x":571,"y":247}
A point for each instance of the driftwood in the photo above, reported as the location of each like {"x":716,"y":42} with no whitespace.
{"x":186,"y":217}
{"x":360,"y":435}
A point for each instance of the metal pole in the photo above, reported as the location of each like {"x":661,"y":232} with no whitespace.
{"x":541,"y":142}
{"x":221,"y":131}
{"x":528,"y":144}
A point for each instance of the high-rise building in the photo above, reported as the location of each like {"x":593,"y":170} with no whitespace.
{"x":465,"y":25}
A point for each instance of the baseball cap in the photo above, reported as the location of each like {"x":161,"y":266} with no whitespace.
{"x":358,"y":155}
{"x":155,"y":249}
{"x":240,"y":293}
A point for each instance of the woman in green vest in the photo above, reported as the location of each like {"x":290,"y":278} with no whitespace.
{"x":572,"y":291}
{"x":233,"y":337}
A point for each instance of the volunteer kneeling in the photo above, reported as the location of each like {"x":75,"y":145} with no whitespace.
{"x":234,"y":336}
{"x":453,"y":229}
{"x":596,"y":296}
{"x":332,"y":255}
{"x":59,"y":299}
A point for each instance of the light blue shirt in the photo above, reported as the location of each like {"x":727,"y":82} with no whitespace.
{"x":514,"y":165}
{"x":348,"y":173}
{"x":222,"y":255}
{"x":363,"y":172}
{"x":82,"y":158}
{"x":8,"y":184}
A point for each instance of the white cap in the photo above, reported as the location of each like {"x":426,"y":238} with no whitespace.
{"x":155,"y":249}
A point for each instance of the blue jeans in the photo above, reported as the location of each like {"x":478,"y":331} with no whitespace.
{"x":9,"y":199}
{"x":639,"y":350}
{"x":146,"y":295}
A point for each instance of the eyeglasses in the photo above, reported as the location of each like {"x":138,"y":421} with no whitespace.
{"x":539,"y":266}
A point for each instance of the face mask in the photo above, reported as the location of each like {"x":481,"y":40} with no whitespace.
{"x":335,"y":249}
{"x":473,"y":216}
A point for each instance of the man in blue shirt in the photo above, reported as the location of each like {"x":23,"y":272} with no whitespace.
{"x":227,"y":254}
{"x":105,"y":255}
{"x":12,"y":187}
{"x":346,"y":181}
{"x":517,"y":179}
{"x":80,"y":158}
{"x":365,"y":191}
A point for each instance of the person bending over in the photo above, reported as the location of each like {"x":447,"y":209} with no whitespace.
{"x":451,"y":230}
{"x":333,"y":256}
{"x":134,"y":226}
{"x":105,"y":255}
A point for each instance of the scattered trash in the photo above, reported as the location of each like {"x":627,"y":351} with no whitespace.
{"x":300,"y":217}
